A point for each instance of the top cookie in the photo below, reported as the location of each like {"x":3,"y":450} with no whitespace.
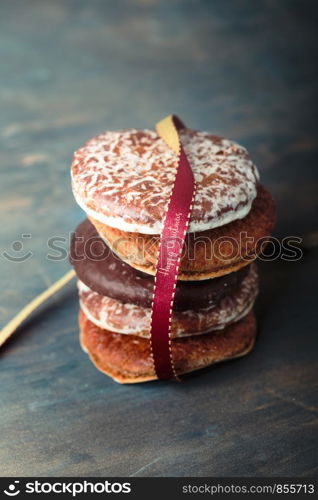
{"x":124,"y":179}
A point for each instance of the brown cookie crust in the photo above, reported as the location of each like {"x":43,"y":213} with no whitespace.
{"x":206,"y":254}
{"x":127,"y":359}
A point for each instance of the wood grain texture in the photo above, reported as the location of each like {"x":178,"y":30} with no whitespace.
{"x":70,"y":69}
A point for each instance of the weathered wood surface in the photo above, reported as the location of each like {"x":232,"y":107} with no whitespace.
{"x":70,"y":69}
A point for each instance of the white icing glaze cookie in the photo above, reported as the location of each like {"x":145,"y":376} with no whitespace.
{"x":123,"y":179}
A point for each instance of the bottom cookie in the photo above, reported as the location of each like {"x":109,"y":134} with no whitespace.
{"x":127,"y":358}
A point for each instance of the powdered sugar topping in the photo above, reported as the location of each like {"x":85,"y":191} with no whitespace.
{"x":124,"y":179}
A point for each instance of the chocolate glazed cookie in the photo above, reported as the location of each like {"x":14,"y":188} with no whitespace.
{"x":117,"y":297}
{"x":116,"y":316}
{"x":103,"y":272}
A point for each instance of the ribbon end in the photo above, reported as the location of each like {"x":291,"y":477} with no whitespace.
{"x":165,"y":128}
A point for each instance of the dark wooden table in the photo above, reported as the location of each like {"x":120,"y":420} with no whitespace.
{"x":70,"y":69}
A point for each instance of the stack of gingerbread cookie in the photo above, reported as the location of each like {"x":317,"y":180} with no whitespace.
{"x":123,"y":180}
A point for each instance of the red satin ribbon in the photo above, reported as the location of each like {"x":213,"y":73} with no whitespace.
{"x":171,"y":244}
